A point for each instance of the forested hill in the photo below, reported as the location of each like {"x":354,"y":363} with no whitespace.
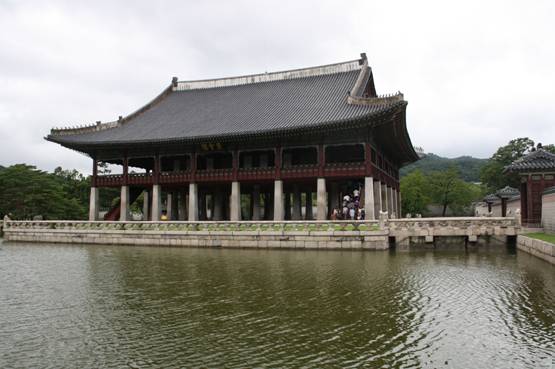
{"x":468,"y":166}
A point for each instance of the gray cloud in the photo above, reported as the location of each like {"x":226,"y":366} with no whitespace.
{"x":475,"y":73}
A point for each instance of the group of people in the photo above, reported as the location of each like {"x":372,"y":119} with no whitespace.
{"x":350,"y":208}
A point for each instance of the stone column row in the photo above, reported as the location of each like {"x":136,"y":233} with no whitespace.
{"x":377,"y":197}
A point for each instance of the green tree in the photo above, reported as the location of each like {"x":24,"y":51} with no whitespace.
{"x":449,"y":191}
{"x":26,"y":192}
{"x":414,"y":188}
{"x":76,"y":185}
{"x":492,"y":175}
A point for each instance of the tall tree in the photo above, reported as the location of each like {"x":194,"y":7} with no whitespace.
{"x":492,"y":173}
{"x":26,"y":192}
{"x":449,"y":191}
{"x":414,"y":188}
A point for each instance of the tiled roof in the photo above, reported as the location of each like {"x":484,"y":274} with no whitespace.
{"x":537,"y":160}
{"x":507,"y":192}
{"x":245,"y":105}
{"x":491,"y":198}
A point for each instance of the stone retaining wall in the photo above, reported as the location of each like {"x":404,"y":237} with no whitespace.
{"x":362,"y":240}
{"x":370,"y":235}
{"x":543,"y":250}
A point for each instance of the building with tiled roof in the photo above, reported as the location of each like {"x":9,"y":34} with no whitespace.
{"x":269,"y":137}
{"x":537,"y":173}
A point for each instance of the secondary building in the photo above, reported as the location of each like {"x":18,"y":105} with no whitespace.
{"x":537,"y":174}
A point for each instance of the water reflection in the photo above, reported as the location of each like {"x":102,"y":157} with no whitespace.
{"x":122,"y":306}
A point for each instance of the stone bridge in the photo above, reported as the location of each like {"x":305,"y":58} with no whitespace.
{"x":409,"y":230}
{"x":262,"y":234}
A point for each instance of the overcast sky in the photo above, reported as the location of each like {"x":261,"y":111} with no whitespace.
{"x":476,"y":73}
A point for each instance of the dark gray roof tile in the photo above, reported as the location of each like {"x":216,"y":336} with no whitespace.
{"x":237,"y":109}
{"x":537,"y":160}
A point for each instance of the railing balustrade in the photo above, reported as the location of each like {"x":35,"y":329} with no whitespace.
{"x":204,"y":226}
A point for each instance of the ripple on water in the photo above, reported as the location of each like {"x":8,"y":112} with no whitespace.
{"x":63,"y":306}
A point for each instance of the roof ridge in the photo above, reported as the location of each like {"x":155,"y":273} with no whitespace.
{"x":539,"y":152}
{"x":320,"y":70}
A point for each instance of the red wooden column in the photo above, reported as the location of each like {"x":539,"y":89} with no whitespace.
{"x":321,"y":160}
{"x":277,"y":160}
{"x":279,"y":212}
{"x":94,"y":196}
{"x":530,"y":204}
{"x":193,"y":166}
{"x":125,"y":177}
{"x":235,"y":201}
{"x":368,"y":159}
{"x":156,"y":170}
{"x":235,"y":164}
{"x":94,"y":172}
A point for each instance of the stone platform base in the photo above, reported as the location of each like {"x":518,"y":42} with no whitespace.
{"x":355,"y":240}
{"x":359,"y":235}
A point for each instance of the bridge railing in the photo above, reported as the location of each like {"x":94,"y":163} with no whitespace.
{"x":458,"y":222}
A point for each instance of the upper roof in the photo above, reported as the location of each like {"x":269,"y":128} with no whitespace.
{"x":245,"y":106}
{"x":535,"y":161}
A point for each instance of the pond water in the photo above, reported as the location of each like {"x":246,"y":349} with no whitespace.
{"x":113,"y":307}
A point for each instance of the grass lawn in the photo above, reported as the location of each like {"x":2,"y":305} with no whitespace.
{"x":542,"y":236}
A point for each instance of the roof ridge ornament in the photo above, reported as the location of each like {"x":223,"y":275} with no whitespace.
{"x":321,"y":70}
{"x":80,"y":129}
{"x":378,"y":100}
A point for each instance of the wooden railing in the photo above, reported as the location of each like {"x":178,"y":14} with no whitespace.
{"x":330,"y":170}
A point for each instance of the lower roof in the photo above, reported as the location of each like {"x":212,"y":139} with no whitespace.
{"x":538,"y":160}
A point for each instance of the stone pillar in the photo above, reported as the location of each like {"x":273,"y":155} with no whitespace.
{"x":399,"y":204}
{"x":182,"y":206}
{"x":269,"y":206}
{"x":369,"y":198}
{"x":308,"y":206}
{"x":169,"y":205}
{"x":390,"y":201}
{"x":297,"y":206}
{"x":384,"y":197}
{"x":124,"y":204}
{"x":394,"y":201}
{"x":235,"y":202}
{"x":218,"y":205}
{"x":256,"y":202}
{"x":201,"y":200}
{"x":145,"y":205}
{"x":377,"y":199}
{"x":334,"y":197}
{"x":93,"y":204}
{"x":287,"y":206}
{"x":156,"y":202}
{"x":193,"y":202}
{"x":278,"y":200}
{"x":321,"y":202}
{"x":175,"y":206}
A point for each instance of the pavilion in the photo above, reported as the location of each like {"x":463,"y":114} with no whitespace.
{"x":254,"y":147}
{"x":537,"y":173}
